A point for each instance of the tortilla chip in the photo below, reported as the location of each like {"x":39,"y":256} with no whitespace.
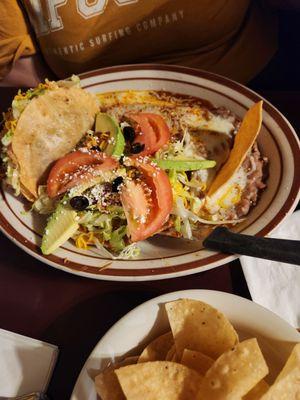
{"x":197,"y":361}
{"x":128,"y":361}
{"x":292,"y":363}
{"x":243,"y":142}
{"x":157,"y":349}
{"x":200,"y":327}
{"x":158,"y":380}
{"x":170,"y":354}
{"x":257,"y":392}
{"x":26,"y":193}
{"x":235,"y":372}
{"x":49,"y":128}
{"x":107,"y":384}
{"x":108,"y":387}
{"x":175,"y":357}
{"x":287,"y":384}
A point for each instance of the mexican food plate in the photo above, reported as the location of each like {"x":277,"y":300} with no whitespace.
{"x":121,"y":173}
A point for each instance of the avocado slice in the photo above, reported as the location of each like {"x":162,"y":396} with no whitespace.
{"x":105,"y":123}
{"x":185,"y":165}
{"x":61,"y":225}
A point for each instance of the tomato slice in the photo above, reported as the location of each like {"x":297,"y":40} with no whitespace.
{"x":75,"y":168}
{"x":147,"y":202}
{"x":151,"y":130}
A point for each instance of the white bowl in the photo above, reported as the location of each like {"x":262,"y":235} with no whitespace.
{"x":147,"y":321}
{"x":163,"y":258}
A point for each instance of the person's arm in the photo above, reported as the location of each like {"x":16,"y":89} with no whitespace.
{"x":27,"y":72}
{"x":20,"y":65}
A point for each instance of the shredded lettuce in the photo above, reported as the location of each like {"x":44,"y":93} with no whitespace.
{"x":7,"y":138}
{"x":129,"y":252}
{"x":74,"y":80}
{"x":180,"y":210}
{"x":44,"y":204}
{"x":197,"y":183}
{"x":180,"y":150}
{"x":18,"y":106}
{"x":187,"y":230}
{"x":102,"y":251}
{"x":196,"y":205}
{"x":12,"y":177}
{"x":109,"y":227}
{"x":188,"y":206}
{"x":12,"y":173}
{"x":116,"y":241}
{"x":31,"y":93}
{"x":177,"y":223}
{"x":21,"y":100}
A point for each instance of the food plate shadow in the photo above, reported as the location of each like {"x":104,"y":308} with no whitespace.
{"x":86,"y":320}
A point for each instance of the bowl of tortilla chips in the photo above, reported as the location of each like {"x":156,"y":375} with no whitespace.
{"x":194,"y":344}
{"x":120,"y":174}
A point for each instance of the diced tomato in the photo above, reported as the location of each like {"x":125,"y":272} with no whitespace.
{"x":147,"y":203}
{"x":76,"y":168}
{"x":151,"y":130}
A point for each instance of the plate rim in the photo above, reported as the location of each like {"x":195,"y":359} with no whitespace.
{"x":236,"y":299}
{"x":189,"y":267}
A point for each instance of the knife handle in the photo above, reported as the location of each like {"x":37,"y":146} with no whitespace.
{"x":221,"y":239}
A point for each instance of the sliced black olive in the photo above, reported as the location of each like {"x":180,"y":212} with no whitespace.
{"x":95,"y":148}
{"x":116,"y":183}
{"x":137,"y":148}
{"x":79,"y":203}
{"x":129,"y":134}
{"x":189,"y":175}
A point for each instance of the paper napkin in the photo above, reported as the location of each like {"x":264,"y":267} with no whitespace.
{"x":276,"y":285}
{"x":26,"y":364}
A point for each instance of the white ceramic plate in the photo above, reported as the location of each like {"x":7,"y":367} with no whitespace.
{"x":163,"y":258}
{"x":147,"y":321}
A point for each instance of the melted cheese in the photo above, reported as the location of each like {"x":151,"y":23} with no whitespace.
{"x":229,"y":194}
{"x":128,"y":97}
{"x":215,"y":123}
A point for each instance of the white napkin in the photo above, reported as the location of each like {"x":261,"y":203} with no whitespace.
{"x":26,"y":364}
{"x":276,"y":285}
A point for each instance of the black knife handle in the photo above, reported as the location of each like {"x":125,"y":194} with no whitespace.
{"x":221,"y":239}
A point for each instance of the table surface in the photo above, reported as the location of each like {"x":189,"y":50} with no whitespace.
{"x":74,"y":312}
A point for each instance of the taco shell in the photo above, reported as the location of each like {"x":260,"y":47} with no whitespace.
{"x":49,"y":128}
{"x":243,"y":142}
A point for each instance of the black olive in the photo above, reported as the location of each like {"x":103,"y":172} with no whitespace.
{"x":95,"y":148}
{"x":137,"y":148}
{"x":189,"y":175}
{"x":79,"y":203}
{"x":129,"y":134}
{"x":121,"y":160}
{"x":116,"y":183}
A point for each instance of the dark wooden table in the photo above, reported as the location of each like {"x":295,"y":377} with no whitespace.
{"x":73,"y":312}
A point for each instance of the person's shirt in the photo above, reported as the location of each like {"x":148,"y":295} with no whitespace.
{"x":229,"y":37}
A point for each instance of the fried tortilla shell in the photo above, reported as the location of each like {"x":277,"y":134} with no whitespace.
{"x":50,"y":127}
